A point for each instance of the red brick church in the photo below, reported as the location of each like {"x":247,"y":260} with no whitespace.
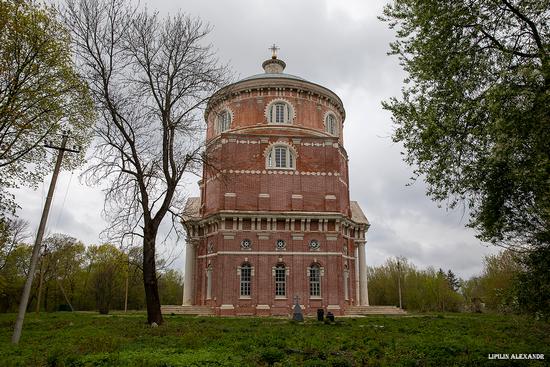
{"x":274,"y":220}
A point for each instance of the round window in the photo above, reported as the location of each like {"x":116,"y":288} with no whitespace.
{"x":314,"y":245}
{"x":246,"y":244}
{"x":280,"y":244}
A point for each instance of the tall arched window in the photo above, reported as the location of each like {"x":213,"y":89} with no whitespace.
{"x":315,"y":280}
{"x":246,"y":277}
{"x":331,"y":125}
{"x":279,"y":113}
{"x":280,"y":280}
{"x":224,"y":121}
{"x":281,"y":156}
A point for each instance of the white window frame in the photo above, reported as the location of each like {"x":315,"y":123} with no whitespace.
{"x":281,"y":156}
{"x":331,"y":124}
{"x":245,"y":281}
{"x":223,"y":120}
{"x":279,"y":273}
{"x":280,"y":112}
{"x":314,"y":281}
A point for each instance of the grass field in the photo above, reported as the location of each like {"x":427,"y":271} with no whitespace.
{"x":89,"y":339}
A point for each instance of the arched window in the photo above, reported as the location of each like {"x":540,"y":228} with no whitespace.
{"x":279,"y":113}
{"x":280,"y":280}
{"x":281,"y":156}
{"x":246,"y":277}
{"x":315,"y":280}
{"x":224,"y":121}
{"x":331,"y":124}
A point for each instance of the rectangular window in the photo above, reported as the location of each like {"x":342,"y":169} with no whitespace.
{"x":280,"y":157}
{"x":314,"y":282}
{"x":245,"y":280}
{"x":280,"y":113}
{"x":280,"y":281}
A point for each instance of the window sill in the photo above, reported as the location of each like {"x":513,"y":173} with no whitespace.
{"x":280,"y":168}
{"x":315,"y":297}
{"x":280,"y":297}
{"x":245,"y":297}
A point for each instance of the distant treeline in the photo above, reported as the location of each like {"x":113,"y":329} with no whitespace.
{"x":70,"y":275}
{"x":511,"y":282}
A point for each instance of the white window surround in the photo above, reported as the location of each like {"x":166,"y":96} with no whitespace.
{"x":314,"y":275}
{"x":224,"y":118}
{"x":245,"y":273}
{"x":280,"y":272}
{"x":280,"y":155}
{"x":280,"y":112}
{"x":331,"y":123}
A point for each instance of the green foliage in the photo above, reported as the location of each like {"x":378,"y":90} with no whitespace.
{"x":84,"y":339}
{"x":171,"y":287}
{"x":533,"y":283}
{"x":39,"y":89}
{"x":498,"y":281}
{"x":109,"y":267}
{"x":88,"y":278}
{"x":474,"y":117}
{"x":422,"y":290}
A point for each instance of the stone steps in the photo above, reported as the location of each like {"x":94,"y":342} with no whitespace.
{"x":187,"y":310}
{"x":374,"y":310}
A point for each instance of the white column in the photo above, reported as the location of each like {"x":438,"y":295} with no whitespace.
{"x":357,"y":294}
{"x":189,"y":286}
{"x":363,"y":289}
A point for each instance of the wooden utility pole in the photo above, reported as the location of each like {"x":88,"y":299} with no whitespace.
{"x":41,"y":281}
{"x":38,"y":242}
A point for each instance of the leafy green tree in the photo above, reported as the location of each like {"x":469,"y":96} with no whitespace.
{"x":474,"y":117}
{"x":13,"y":275}
{"x":498,"y":281}
{"x":59,"y":272}
{"x":171,"y":287}
{"x":533,"y":283}
{"x":39,"y":88}
{"x":109,"y":268}
{"x":422,"y":290}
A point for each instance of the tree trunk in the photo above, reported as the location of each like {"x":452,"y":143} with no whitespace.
{"x":152,"y":298}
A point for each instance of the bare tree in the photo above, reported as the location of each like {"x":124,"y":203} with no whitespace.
{"x":12,"y":233}
{"x":150,"y":78}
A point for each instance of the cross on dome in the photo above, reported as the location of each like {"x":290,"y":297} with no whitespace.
{"x":274,"y":50}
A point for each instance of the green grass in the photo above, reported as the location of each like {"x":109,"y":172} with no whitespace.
{"x":88,"y":339}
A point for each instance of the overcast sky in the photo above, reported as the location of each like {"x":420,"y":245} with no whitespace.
{"x":339,"y":44}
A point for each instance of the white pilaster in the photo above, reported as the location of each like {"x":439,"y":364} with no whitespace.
{"x":189,"y":284}
{"x":363,"y":292}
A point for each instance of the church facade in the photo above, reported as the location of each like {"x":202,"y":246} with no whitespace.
{"x":274,"y":223}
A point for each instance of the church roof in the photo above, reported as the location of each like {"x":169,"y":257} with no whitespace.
{"x":357,"y":214}
{"x":273,"y":75}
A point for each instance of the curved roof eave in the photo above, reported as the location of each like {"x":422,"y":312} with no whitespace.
{"x":276,"y":76}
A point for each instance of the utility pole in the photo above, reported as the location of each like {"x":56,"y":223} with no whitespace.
{"x":38,"y":242}
{"x":41,"y":281}
{"x":399,"y":281}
